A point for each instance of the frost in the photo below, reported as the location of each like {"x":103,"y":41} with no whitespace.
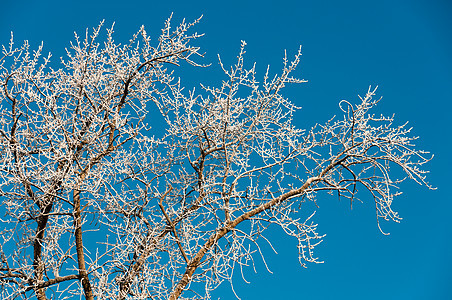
{"x":96,"y":204}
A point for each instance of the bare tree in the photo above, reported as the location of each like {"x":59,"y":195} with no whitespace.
{"x":96,"y":203}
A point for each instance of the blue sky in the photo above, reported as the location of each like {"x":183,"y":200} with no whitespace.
{"x":405,"y":47}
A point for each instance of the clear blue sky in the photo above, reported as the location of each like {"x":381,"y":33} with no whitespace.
{"x":403,"y":46}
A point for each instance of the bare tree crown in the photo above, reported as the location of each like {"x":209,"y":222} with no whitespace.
{"x":95,"y":203}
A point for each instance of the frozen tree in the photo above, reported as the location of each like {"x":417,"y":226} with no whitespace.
{"x":97,"y":204}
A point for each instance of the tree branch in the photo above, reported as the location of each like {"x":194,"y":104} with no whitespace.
{"x":195,"y":262}
{"x":168,"y":220}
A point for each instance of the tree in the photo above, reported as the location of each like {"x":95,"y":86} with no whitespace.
{"x":95,"y":202}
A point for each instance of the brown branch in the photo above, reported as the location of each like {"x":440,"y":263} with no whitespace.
{"x":79,"y":247}
{"x":138,"y":263}
{"x":5,"y":88}
{"x":45,"y":206}
{"x":53,"y":281}
{"x":195,"y":262}
{"x":173,"y":228}
{"x":83,"y":274}
{"x":138,"y":69}
{"x":38,"y":264}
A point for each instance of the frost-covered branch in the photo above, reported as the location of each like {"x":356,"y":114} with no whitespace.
{"x":96,"y":203}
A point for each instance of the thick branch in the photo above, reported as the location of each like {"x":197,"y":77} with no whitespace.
{"x":53,"y":281}
{"x":38,"y":264}
{"x":195,"y":262}
{"x":79,"y":247}
{"x":173,"y":228}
